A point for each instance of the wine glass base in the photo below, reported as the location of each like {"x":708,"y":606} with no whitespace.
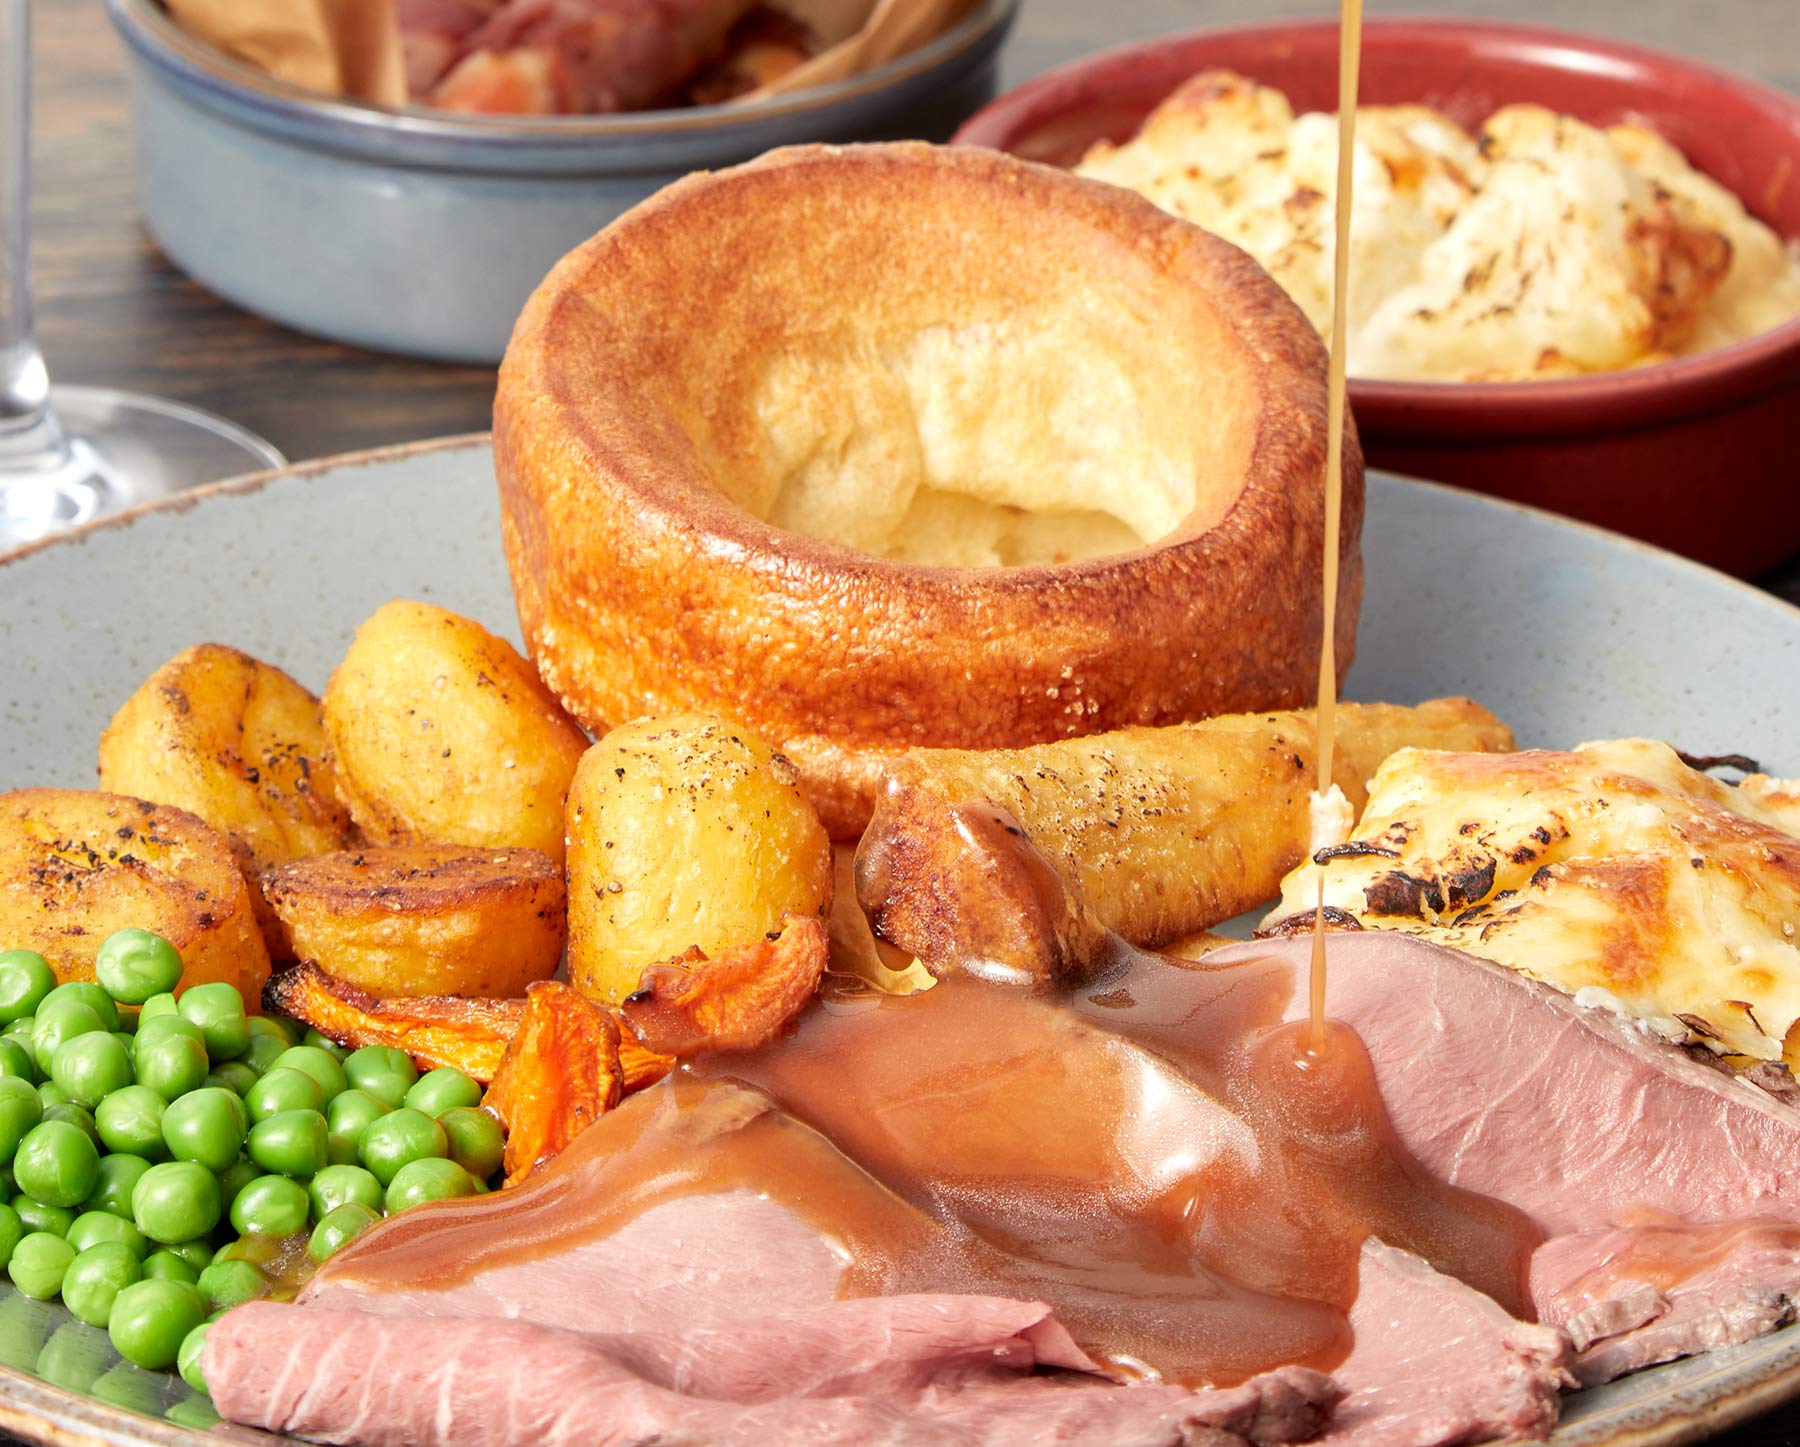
{"x":123,"y":450}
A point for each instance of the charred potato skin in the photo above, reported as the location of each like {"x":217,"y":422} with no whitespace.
{"x":441,"y":732}
{"x":425,"y":919}
{"x":76,"y":865}
{"x":685,"y":832}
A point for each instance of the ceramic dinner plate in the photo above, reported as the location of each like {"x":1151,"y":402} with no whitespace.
{"x":1566,"y":632}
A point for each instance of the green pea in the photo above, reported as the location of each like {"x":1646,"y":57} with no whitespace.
{"x":291,"y":1142}
{"x":170,"y":1266}
{"x":21,"y":1029}
{"x":351,"y":1113}
{"x":90,"y":1067}
{"x":326,"y":1043}
{"x":218,"y":1010}
{"x":385,"y":1073}
{"x":133,"y":965}
{"x":284,"y":1088}
{"x":127,"y":1038}
{"x":16,"y":1061}
{"x":57,"y":1164}
{"x":226,"y":1284}
{"x":8,"y":1186}
{"x":196,"y":1413}
{"x":75,"y":1357}
{"x":90,"y":995}
{"x":443,"y":1089}
{"x":78,"y":1116}
{"x":338,"y":1227}
{"x":340,"y":1150}
{"x":36,"y":1216}
{"x":176,"y":1201}
{"x":170,"y":1063}
{"x":336,"y":1185}
{"x":397,"y":1138}
{"x":58,"y":1021}
{"x":206,"y":1125}
{"x":234,"y":1178}
{"x":263,"y":1051}
{"x":21,"y":1108}
{"x":166,"y":1024}
{"x":126,"y":1386}
{"x":25,"y":979}
{"x":94,"y":1228}
{"x":270,"y":1206}
{"x":164,"y":1003}
{"x":430,"y":1179}
{"x":235,"y":1076}
{"x":319,"y":1063}
{"x":151,"y":1318}
{"x":275,"y":1027}
{"x":119,"y":1175}
{"x":95,"y":1277}
{"x":187,"y":1360}
{"x":198,"y":1253}
{"x":477,"y":1143}
{"x":131,"y":1121}
{"x":51,"y":1094}
{"x":12,"y":1232}
{"x":38,"y":1263}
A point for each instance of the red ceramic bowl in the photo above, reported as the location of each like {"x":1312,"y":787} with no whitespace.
{"x":1700,"y":454}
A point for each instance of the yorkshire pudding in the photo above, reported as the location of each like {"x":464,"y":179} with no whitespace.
{"x":882,"y":446}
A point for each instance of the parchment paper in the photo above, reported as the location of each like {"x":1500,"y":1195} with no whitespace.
{"x":343,"y":47}
{"x":352,"y":47}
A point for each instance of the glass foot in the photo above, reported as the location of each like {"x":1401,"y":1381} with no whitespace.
{"x":123,"y":449}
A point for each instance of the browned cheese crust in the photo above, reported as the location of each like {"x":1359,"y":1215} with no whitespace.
{"x":636,"y":466}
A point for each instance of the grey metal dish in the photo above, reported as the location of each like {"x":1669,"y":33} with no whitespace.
{"x":410,"y":230}
{"x":1568,"y":632}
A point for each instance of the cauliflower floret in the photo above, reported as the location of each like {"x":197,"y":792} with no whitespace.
{"x":1548,"y":248}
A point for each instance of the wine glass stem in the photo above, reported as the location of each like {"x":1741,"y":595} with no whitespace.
{"x":29,"y":434}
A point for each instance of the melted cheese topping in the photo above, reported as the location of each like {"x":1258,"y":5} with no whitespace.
{"x":1543,"y":247}
{"x":1613,"y":872}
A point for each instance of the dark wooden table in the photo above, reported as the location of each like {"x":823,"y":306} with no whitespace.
{"x":112,"y":310}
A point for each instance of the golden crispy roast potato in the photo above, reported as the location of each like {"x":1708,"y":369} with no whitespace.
{"x":442,"y":733}
{"x":239,"y":743}
{"x":425,"y":919}
{"x":684,"y":832}
{"x":1158,"y":832}
{"x":236,"y":741}
{"x":75,"y":865}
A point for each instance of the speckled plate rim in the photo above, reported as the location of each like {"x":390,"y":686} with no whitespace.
{"x":254,"y":482}
{"x":1702,"y":1396}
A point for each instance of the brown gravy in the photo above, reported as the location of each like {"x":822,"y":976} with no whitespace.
{"x":1157,"y":1156}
